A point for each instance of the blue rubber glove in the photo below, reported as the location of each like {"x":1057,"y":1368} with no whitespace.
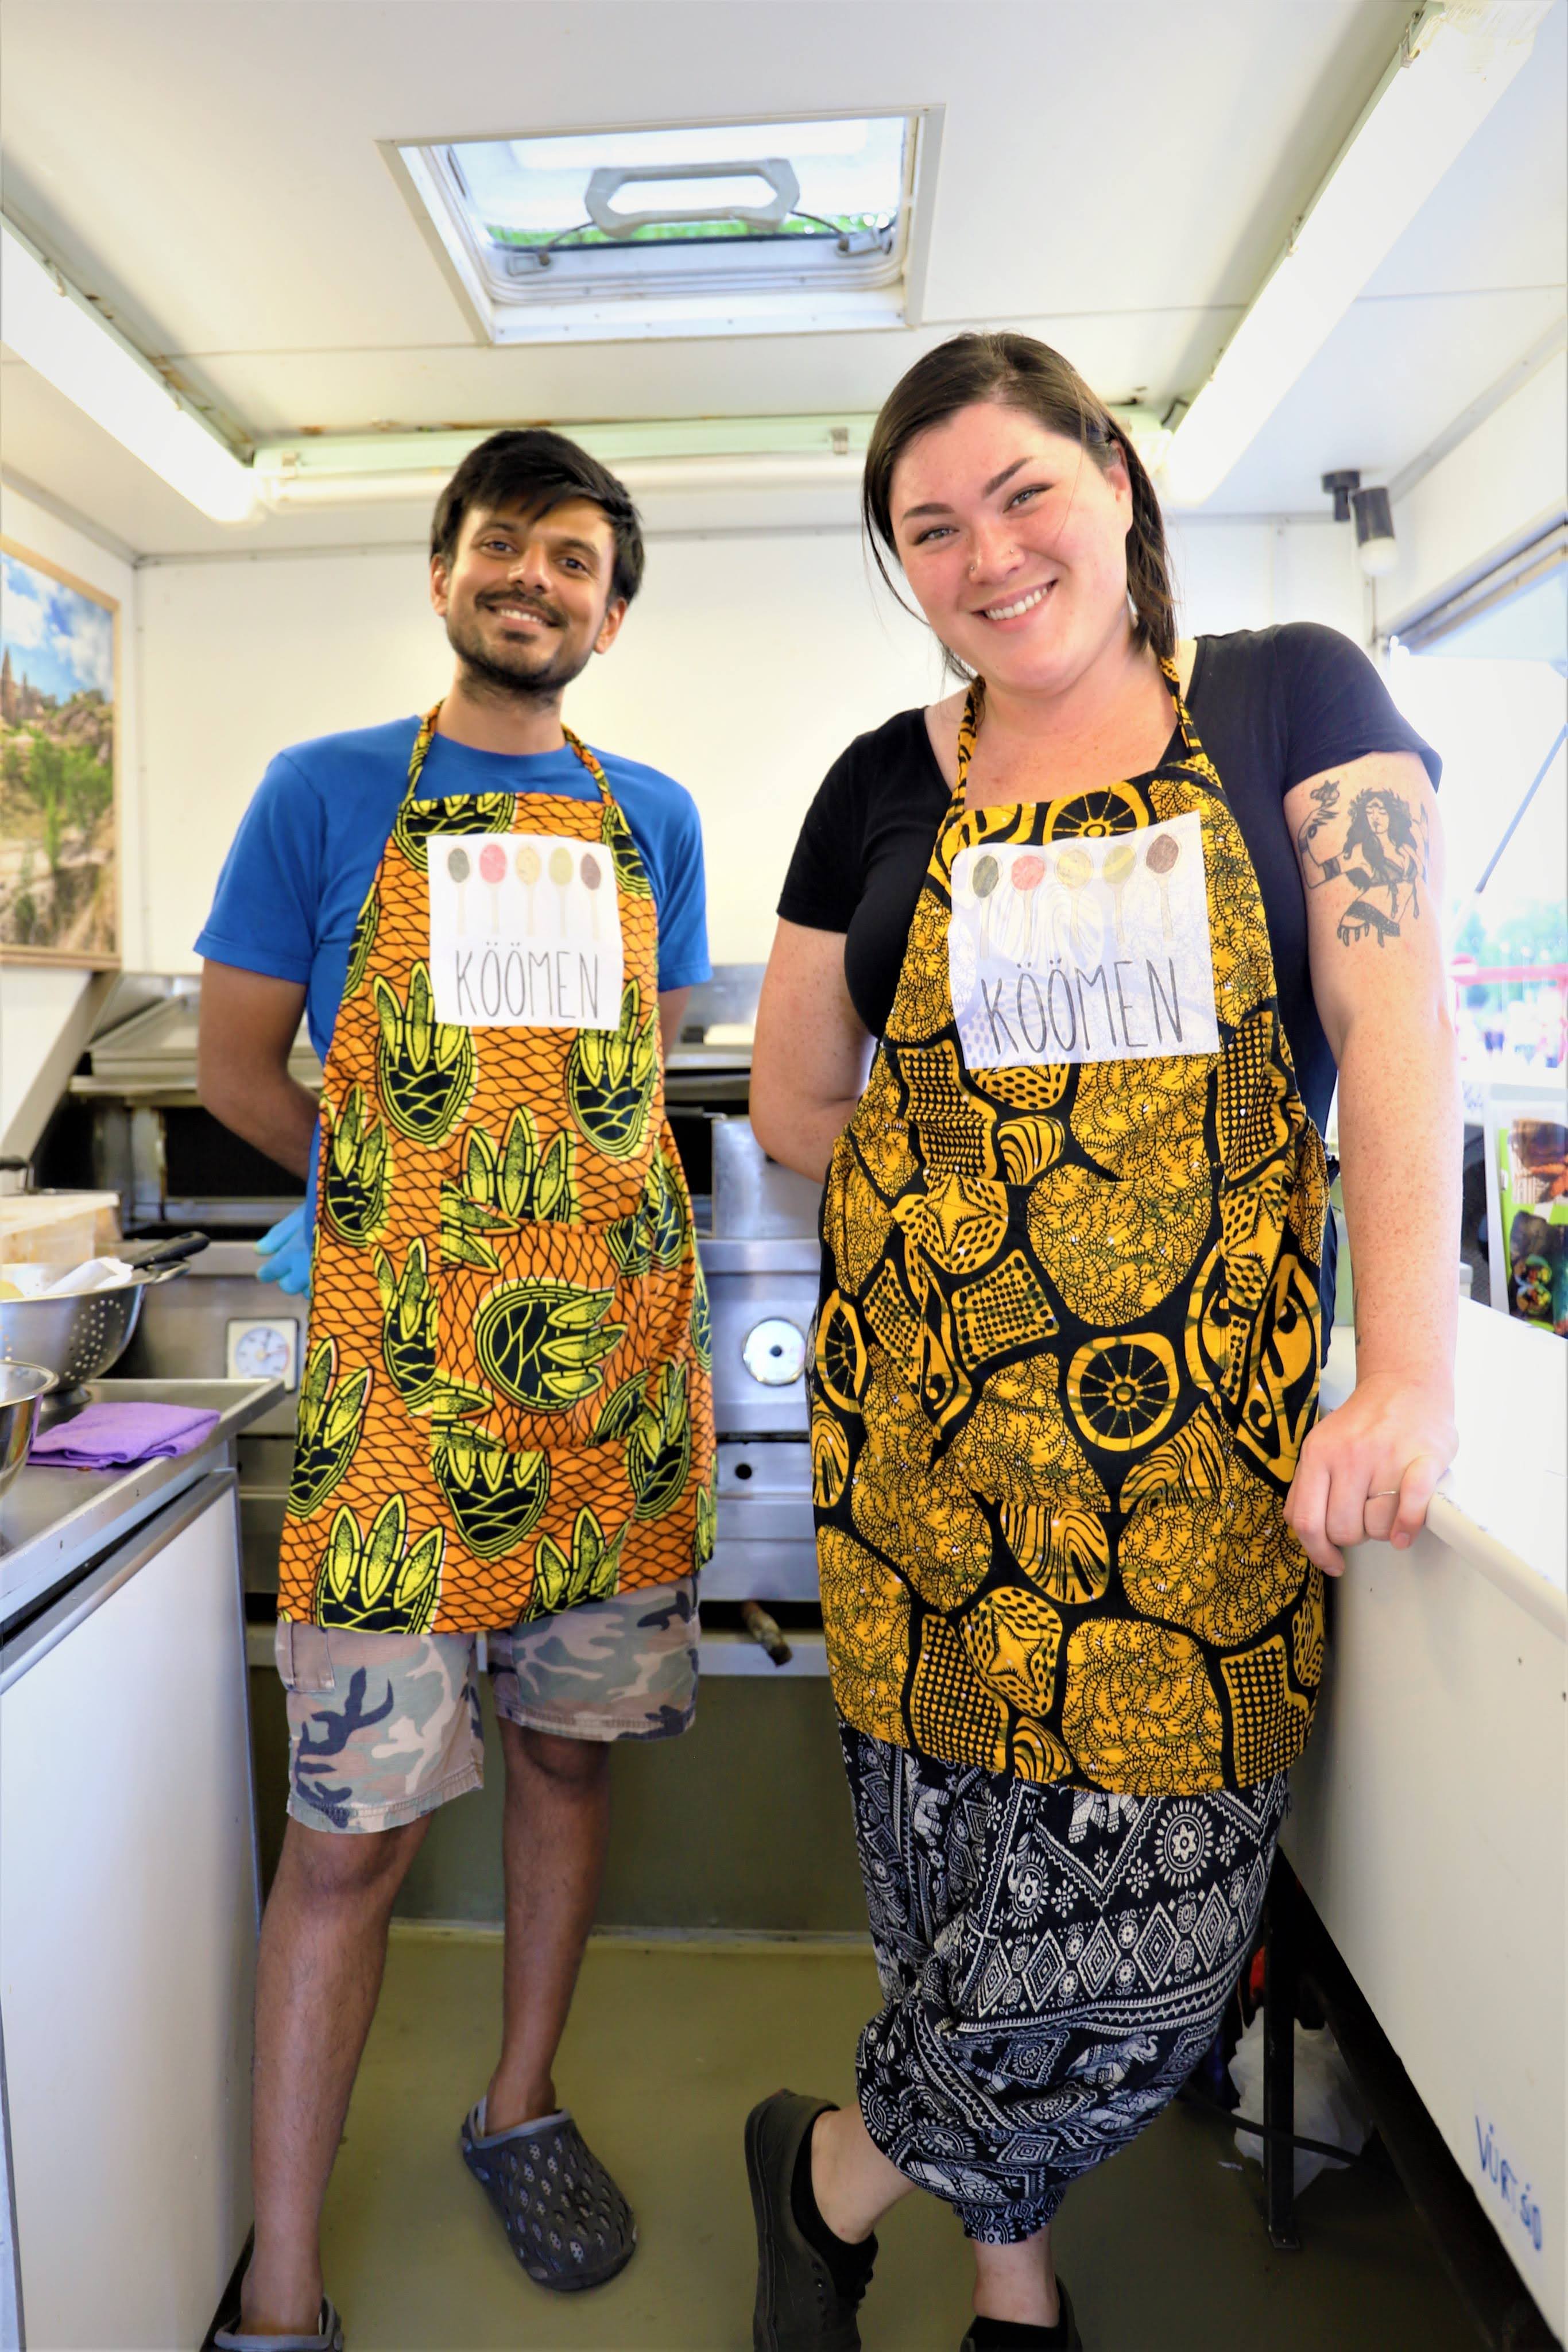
{"x":286,"y":1251}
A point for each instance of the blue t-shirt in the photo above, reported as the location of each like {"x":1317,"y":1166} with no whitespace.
{"x":309,"y":843}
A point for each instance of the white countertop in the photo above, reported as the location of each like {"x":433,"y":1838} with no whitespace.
{"x":54,"y":1521}
{"x":1503,"y":1505}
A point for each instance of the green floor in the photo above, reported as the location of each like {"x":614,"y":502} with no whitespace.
{"x":670,"y":2043}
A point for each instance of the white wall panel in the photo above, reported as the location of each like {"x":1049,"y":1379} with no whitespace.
{"x":1509,"y":473}
{"x":743,"y":670}
{"x":746,"y":666}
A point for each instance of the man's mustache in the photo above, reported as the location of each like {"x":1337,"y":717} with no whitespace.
{"x":529,"y":605}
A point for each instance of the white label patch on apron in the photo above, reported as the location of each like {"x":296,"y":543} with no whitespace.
{"x":525,"y":931}
{"x":1090,"y":949}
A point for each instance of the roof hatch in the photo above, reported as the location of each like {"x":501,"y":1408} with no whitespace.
{"x":713,"y":229}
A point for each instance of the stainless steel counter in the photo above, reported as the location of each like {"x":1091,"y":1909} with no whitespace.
{"x":53,"y":1522}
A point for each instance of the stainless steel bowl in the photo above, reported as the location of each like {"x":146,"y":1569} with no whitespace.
{"x":21,"y":1387}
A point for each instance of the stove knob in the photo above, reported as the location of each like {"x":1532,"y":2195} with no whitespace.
{"x":775,"y":1352}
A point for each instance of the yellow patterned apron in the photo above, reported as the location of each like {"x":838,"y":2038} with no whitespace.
{"x":1069,"y":1339}
{"x":505,"y":1408}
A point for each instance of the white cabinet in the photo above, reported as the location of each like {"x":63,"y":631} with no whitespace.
{"x":129,"y":1910}
{"x":1431,"y":1826}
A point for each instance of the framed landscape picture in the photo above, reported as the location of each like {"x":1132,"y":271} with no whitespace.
{"x":59,"y":669}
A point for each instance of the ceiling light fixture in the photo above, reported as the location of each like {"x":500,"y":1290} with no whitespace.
{"x":655,"y":455}
{"x":1376,"y":548}
{"x":644,"y":477}
{"x":58,"y":332}
{"x":1456,"y":59}
{"x":703,"y":453}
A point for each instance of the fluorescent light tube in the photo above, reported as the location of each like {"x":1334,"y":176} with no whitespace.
{"x":1452,"y":68}
{"x":654,"y":454}
{"x":48,"y":323}
{"x":643,"y":476}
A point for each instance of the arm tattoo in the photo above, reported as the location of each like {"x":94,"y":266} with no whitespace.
{"x":1379,"y":846}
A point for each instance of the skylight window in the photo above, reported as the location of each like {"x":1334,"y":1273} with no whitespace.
{"x":714,"y":229}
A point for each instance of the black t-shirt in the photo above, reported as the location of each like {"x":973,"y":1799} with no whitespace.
{"x":1272,"y":706}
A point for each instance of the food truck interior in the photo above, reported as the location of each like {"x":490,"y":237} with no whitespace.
{"x":271,"y":271}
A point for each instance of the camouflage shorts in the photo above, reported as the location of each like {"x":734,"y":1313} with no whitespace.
{"x":385,"y":1727}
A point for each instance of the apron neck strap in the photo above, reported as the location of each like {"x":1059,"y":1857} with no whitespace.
{"x":1192,"y":748}
{"x":968,"y":728}
{"x":422,"y":740}
{"x":420,"y":751}
{"x":576,"y":743}
{"x":974,"y":712}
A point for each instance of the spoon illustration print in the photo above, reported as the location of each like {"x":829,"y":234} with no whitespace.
{"x":458,"y":867}
{"x":592,"y":875}
{"x":1160,"y":858}
{"x":527,"y":865}
{"x":983,"y":882}
{"x":493,"y":870}
{"x":562,"y":867}
{"x":1121,"y":865}
{"x":1075,"y":867}
{"x":1028,"y":874}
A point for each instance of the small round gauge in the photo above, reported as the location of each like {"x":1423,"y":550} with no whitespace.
{"x":775,"y":1352}
{"x":265,"y":1351}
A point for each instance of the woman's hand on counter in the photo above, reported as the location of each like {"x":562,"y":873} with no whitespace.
{"x":1367,"y":1471}
{"x":285,"y":1254}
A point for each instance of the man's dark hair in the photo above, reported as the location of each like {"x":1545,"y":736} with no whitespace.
{"x":537,"y":470}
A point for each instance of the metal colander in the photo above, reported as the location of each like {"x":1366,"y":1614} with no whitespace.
{"x":77,"y":1338}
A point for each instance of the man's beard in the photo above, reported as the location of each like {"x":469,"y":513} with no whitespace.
{"x":521,"y":675}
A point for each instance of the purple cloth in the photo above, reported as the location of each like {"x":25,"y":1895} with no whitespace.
{"x":105,"y":1436}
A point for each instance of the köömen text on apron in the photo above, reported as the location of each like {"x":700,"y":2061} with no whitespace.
{"x":1093,"y":948}
{"x":525,"y":931}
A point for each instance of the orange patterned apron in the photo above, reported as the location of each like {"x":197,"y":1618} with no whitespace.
{"x":505,"y":1408}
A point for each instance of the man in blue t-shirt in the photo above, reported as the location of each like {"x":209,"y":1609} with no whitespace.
{"x":536,"y":554}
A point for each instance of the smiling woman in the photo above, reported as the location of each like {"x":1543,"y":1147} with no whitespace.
{"x":1073,"y":1512}
{"x":1019,"y":378}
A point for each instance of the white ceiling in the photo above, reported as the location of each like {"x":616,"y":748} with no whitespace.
{"x":1115,"y":176}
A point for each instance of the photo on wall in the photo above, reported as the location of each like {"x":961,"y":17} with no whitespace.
{"x":59,"y":866}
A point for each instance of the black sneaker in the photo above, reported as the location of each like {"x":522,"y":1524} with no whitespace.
{"x":800,"y":2306}
{"x":1062,"y":2337}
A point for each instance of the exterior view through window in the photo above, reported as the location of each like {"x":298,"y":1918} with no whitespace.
{"x":1497,"y":720}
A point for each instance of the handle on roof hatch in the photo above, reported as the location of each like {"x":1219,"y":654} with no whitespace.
{"x":603,"y":184}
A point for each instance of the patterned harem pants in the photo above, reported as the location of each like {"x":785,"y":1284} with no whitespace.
{"x":1054,"y":1963}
